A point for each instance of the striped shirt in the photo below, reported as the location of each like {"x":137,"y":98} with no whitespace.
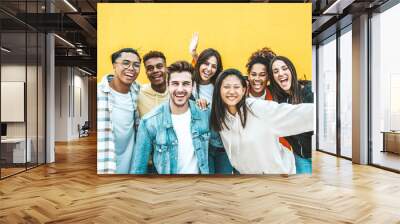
{"x":106,"y":155}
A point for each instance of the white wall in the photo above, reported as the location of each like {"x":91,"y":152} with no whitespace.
{"x":34,"y":124}
{"x":80,"y":101}
{"x":12,"y":73}
{"x":71,"y":94}
{"x":61,"y":103}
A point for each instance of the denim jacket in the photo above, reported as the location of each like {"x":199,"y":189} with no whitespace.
{"x":156,"y":133}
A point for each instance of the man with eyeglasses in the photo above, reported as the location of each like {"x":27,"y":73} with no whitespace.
{"x":153,"y":94}
{"x":117,"y":114}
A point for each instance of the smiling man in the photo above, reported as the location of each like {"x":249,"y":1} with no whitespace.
{"x":117,"y":115}
{"x":177,"y":132}
{"x":153,"y":94}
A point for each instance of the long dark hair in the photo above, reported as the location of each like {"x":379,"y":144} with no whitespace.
{"x":278,"y":94}
{"x":203,"y":57}
{"x":219,"y":109}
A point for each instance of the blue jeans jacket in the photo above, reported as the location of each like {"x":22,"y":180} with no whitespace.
{"x":156,"y":133}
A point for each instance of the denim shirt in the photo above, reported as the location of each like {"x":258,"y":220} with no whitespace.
{"x":156,"y":133}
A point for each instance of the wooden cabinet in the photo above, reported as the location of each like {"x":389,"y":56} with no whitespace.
{"x":391,"y":141}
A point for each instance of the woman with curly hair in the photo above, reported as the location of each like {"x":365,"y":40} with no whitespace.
{"x":257,"y":67}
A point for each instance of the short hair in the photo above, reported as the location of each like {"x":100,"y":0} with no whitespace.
{"x":118,"y":53}
{"x":179,"y":66}
{"x":154,"y":54}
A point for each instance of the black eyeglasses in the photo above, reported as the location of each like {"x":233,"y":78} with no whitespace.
{"x":126,"y":64}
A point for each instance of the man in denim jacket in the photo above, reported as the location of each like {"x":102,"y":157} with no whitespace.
{"x":177,"y":131}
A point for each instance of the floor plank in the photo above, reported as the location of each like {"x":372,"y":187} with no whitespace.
{"x":70,"y":191}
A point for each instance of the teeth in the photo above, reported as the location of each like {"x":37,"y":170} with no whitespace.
{"x":206,"y":73}
{"x":257,"y":86}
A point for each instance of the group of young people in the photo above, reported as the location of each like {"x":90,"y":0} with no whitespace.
{"x":197,"y":118}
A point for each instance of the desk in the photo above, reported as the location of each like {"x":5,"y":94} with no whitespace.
{"x":16,"y":147}
{"x":391,"y":141}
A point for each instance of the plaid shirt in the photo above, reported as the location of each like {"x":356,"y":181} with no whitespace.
{"x":106,"y":157}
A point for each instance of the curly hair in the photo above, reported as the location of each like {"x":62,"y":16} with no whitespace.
{"x":264,"y":55}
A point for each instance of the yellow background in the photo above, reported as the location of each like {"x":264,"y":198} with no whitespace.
{"x":235,"y":30}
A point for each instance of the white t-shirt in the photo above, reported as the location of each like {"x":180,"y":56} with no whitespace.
{"x":262,"y":97}
{"x":187,"y":160}
{"x":123,"y":120}
{"x":205,"y":92}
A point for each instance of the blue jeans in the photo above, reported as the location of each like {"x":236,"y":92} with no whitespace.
{"x":218,"y":161}
{"x":303,"y":165}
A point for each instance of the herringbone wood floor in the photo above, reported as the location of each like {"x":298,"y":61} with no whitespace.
{"x":69,"y":191}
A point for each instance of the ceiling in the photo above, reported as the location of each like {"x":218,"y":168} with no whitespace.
{"x":75,"y":21}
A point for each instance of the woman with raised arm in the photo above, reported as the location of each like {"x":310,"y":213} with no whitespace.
{"x":207,"y":66}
